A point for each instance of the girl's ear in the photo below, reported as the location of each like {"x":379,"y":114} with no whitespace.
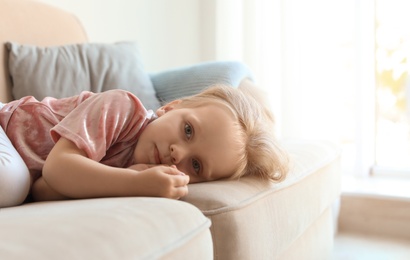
{"x":167,"y":107}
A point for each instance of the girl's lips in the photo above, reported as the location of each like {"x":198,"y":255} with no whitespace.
{"x":156,"y":156}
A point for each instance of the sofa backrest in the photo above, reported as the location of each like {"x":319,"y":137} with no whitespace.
{"x":35,"y":23}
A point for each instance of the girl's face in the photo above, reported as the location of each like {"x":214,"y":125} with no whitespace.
{"x":199,"y":141}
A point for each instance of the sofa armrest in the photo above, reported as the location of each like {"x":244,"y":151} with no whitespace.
{"x":255,"y":219}
{"x":189,"y":80}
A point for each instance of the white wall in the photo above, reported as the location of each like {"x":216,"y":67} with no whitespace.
{"x":168,"y":32}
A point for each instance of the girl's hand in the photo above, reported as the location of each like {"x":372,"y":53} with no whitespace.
{"x":141,"y":167}
{"x":69,"y":172}
{"x":161,"y":181}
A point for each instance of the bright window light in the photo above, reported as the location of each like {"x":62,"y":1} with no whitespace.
{"x":393,"y":86}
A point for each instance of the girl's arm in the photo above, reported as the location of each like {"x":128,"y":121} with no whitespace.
{"x":42,"y":192}
{"x":69,"y":172}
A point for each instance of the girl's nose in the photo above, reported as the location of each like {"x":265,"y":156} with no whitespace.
{"x":178,"y":153}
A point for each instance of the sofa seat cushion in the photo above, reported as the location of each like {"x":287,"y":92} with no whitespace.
{"x":250,"y":215}
{"x":110,"y":228}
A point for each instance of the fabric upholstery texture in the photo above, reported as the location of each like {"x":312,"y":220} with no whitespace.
{"x":314,"y":242}
{"x":249,"y":215}
{"x":65,"y":71}
{"x":113,"y":228}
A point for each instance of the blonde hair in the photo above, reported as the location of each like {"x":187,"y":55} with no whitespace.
{"x":261,"y":154}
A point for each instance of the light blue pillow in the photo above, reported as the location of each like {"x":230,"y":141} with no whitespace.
{"x":189,"y":80}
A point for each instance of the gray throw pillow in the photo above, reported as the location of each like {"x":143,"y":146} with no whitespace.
{"x":63,"y":71}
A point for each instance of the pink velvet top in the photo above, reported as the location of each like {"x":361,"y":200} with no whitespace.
{"x":105,"y":125}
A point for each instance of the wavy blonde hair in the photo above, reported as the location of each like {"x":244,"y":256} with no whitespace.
{"x":260,"y":153}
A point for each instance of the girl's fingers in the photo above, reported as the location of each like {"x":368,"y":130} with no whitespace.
{"x":141,"y":167}
{"x":174,"y":170}
{"x":181,"y":192}
{"x":179,"y":180}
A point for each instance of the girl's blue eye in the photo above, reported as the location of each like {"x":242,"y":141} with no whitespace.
{"x":196,"y":165}
{"x":188,"y":131}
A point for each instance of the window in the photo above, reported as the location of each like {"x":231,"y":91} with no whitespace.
{"x":392,"y":41}
{"x":346,"y":78}
{"x":335,"y":70}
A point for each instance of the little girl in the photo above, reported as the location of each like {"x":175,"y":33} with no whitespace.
{"x":108,"y":144}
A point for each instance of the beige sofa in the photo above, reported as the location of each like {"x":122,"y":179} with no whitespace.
{"x":246,"y":219}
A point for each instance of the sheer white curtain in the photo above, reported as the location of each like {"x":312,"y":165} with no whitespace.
{"x":248,"y":31}
{"x":314,"y":58}
{"x":289,"y":46}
